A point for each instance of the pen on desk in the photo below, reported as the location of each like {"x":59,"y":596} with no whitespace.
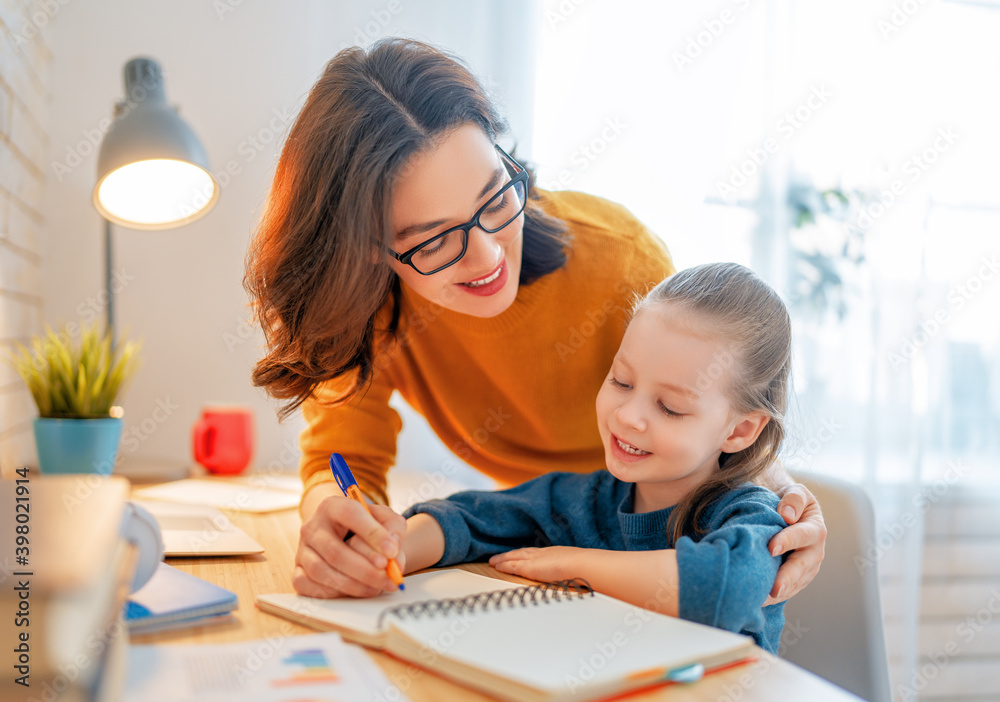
{"x":345,"y":479}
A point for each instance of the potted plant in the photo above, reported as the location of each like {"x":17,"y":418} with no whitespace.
{"x":75,"y":386}
{"x":827,"y":247}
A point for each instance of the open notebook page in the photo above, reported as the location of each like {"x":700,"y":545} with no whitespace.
{"x":575,"y":645}
{"x":349,"y":615}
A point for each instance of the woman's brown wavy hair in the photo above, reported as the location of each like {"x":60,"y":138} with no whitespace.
{"x":750,"y":318}
{"x":313,"y":278}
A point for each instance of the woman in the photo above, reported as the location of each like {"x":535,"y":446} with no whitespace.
{"x":401,"y":249}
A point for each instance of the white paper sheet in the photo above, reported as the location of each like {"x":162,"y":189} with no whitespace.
{"x":275,"y":669}
{"x":227,"y":494}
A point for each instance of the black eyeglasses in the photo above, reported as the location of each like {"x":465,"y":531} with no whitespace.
{"x":448,"y":247}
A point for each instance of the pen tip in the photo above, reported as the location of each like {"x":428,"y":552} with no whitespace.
{"x":402,"y":586}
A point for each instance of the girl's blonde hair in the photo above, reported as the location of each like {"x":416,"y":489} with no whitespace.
{"x":733,"y":302}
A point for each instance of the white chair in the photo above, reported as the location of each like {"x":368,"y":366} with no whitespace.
{"x":834,"y":628}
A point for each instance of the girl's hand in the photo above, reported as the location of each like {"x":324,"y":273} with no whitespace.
{"x":544,"y":564}
{"x":805,"y":538}
{"x":327,"y":566}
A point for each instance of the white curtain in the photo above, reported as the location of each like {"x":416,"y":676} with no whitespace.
{"x":718,"y":125}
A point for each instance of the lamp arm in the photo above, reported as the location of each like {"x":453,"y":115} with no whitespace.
{"x":108,"y":278}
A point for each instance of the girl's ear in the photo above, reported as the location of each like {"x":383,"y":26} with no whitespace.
{"x":746,"y":431}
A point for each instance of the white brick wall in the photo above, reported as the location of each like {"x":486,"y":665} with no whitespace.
{"x":24,"y":68}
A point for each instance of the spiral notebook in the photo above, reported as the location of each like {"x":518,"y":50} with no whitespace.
{"x":553,"y":642}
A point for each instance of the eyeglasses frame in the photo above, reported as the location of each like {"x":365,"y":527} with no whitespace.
{"x":521,"y":176}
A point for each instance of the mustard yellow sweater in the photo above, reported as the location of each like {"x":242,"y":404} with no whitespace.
{"x":513,"y":395}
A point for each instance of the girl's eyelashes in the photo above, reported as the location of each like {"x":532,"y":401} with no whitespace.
{"x":667,"y":411}
{"x":662,"y":407}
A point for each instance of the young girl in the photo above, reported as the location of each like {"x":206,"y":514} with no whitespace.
{"x":690,"y":415}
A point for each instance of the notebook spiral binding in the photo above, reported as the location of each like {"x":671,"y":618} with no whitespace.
{"x":521,"y":596}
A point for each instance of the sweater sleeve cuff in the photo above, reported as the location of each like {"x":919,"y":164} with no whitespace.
{"x":701,"y":575}
{"x":311,"y":481}
{"x":457,"y":538}
{"x":318,"y":479}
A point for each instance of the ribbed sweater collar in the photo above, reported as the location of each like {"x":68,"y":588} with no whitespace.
{"x":644,"y":524}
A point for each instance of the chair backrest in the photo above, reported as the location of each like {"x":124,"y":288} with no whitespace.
{"x":834,"y":627}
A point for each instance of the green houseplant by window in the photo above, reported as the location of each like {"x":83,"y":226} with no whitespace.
{"x":75,"y":385}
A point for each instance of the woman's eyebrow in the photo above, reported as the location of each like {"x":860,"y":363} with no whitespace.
{"x":415,"y":229}
{"x":494,"y":181}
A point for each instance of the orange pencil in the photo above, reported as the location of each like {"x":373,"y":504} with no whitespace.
{"x":345,"y":479}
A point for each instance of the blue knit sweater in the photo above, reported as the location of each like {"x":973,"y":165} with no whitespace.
{"x":725,"y":574}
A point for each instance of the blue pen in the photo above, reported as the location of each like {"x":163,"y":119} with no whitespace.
{"x":345,"y":479}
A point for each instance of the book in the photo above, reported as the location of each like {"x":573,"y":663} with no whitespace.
{"x":66,"y":570}
{"x":198,"y":530}
{"x":174,"y":598}
{"x":551,"y":642}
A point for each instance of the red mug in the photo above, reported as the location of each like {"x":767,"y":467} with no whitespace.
{"x":222,"y":440}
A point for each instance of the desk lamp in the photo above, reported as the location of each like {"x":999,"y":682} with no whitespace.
{"x":152,"y":172}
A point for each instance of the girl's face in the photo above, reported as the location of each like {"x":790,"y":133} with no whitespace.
{"x":442,"y":188}
{"x":663,"y":414}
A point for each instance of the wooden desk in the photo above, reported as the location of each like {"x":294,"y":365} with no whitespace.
{"x":769,"y":679}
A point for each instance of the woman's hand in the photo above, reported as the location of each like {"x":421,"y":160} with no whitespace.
{"x":327,"y":566}
{"x":805,"y":537}
{"x":547,"y":564}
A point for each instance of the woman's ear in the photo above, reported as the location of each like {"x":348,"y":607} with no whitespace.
{"x":745,"y":432}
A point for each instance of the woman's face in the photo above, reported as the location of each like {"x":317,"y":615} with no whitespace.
{"x":442,"y":188}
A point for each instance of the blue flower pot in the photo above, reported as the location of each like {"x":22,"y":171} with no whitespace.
{"x":77,"y":445}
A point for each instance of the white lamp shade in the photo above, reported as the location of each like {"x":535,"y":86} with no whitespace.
{"x":152,"y":172}
{"x":156,"y":193}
